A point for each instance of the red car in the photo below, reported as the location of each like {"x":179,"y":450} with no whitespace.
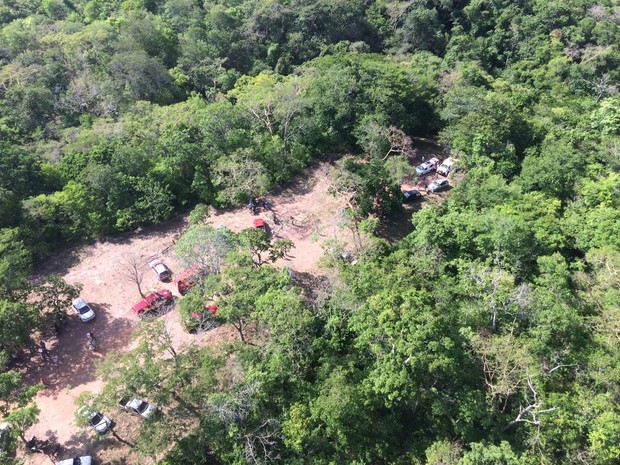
{"x":152,"y":303}
{"x":188,"y":278}
{"x":259,"y":223}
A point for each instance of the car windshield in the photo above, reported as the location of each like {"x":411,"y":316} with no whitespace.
{"x":142,"y":407}
{"x":84,"y":309}
{"x":96,"y":419}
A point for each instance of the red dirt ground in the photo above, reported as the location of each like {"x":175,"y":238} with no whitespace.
{"x":305,"y":213}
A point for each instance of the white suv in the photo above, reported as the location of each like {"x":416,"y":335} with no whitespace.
{"x":438,"y":185}
{"x":446,"y":167}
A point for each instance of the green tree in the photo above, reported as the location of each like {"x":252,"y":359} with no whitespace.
{"x":18,"y":322}
{"x":54,"y":295}
{"x":239,"y":286}
{"x":490,"y":454}
{"x":205,"y":247}
{"x":15,"y":265}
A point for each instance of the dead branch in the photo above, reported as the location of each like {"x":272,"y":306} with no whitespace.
{"x":529,"y":414}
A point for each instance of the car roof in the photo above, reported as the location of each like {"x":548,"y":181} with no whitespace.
{"x":135,"y":402}
{"x":140,"y":305}
{"x":258,"y":222}
{"x":79,"y":302}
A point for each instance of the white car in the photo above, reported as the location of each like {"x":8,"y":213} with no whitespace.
{"x":162,"y":271}
{"x":427,"y":167}
{"x":85,"y":460}
{"x":438,"y":185}
{"x":446,"y":167}
{"x":138,"y":407}
{"x":96,"y":420}
{"x":83,"y":310}
{"x":4,"y":437}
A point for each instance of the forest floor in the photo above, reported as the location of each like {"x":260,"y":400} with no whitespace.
{"x":303,"y":211}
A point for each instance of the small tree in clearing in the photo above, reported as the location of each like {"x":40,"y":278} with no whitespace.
{"x":132,"y":269}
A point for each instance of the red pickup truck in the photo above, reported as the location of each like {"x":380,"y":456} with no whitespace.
{"x":153,"y":304}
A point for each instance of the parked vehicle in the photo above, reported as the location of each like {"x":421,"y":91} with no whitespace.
{"x":84,"y":460}
{"x":188,"y":278}
{"x":446,"y":167}
{"x":259,"y":223}
{"x":410,"y":196}
{"x":438,"y":185}
{"x":427,"y":167}
{"x":35,"y":444}
{"x":83,"y":310}
{"x":96,"y":420}
{"x":202,"y":321}
{"x":138,"y":407}
{"x":162,"y":271}
{"x":153,"y":304}
{"x":5,"y":438}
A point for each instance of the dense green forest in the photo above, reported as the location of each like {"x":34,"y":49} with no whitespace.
{"x":490,"y":335}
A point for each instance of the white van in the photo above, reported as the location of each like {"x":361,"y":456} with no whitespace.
{"x":446,"y":167}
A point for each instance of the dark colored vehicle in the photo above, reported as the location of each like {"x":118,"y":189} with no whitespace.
{"x":84,"y":460}
{"x":410,"y":196}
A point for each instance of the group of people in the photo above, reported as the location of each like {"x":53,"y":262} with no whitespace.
{"x":92,"y":340}
{"x":47,"y":356}
{"x":257,"y":203}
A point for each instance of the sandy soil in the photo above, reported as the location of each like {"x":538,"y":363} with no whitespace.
{"x":303,"y":212}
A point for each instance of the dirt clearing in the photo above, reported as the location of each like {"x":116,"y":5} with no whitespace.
{"x":303,"y":212}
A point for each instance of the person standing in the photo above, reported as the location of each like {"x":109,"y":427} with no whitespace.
{"x":45,"y":354}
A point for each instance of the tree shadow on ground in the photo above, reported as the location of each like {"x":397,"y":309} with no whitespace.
{"x":90,"y":443}
{"x":72,"y":363}
{"x":310,"y":284}
{"x":399,"y":225}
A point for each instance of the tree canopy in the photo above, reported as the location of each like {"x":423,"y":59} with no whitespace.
{"x":487,"y":335}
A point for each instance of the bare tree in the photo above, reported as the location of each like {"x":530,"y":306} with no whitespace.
{"x":530,"y":413}
{"x":499,"y":294}
{"x":133,"y":269}
{"x":236,"y":407}
{"x":260,"y":444}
